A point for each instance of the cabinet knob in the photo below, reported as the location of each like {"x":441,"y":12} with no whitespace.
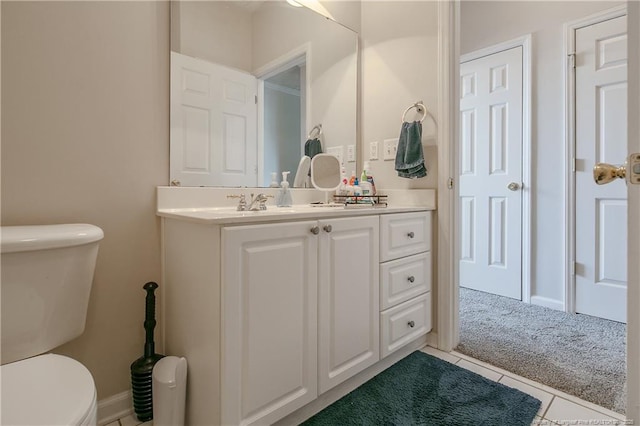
{"x":327,"y":228}
{"x":411,"y":279}
{"x":411,"y":234}
{"x":411,"y":324}
{"x":315,"y":230}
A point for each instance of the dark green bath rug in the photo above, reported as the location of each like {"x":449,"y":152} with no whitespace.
{"x":424,"y":390}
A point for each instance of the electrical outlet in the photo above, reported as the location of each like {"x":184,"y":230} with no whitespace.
{"x":351,"y":153}
{"x":390,"y":149}
{"x":373,"y":150}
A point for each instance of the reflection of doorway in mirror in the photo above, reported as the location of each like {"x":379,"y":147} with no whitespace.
{"x":282,"y":108}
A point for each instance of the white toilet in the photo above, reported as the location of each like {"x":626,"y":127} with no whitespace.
{"x":47,"y":271}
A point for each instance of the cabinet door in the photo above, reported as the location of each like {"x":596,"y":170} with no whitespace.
{"x":349,"y":298}
{"x":269,"y":321}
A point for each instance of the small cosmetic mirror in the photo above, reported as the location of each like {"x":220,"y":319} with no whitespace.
{"x":325,"y":173}
{"x":302,"y":173}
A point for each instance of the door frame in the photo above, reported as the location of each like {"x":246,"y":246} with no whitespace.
{"x":299,"y":55}
{"x":633,"y":244}
{"x":447,"y":318}
{"x":570,"y":212}
{"x":525,"y":229}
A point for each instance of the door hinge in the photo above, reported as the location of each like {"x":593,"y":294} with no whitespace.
{"x":256,"y":99}
{"x":573,"y":268}
{"x":450,"y":183}
{"x":573,"y":164}
{"x":572,"y":60}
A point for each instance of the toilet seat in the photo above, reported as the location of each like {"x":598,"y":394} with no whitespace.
{"x":48,"y":390}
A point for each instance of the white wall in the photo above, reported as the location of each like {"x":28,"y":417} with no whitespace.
{"x":484,"y":23}
{"x":399,"y":67}
{"x":279,"y":29}
{"x":198,"y":27}
{"x":85,"y":131}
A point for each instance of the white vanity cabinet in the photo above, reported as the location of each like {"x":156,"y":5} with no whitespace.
{"x":271,"y":315}
{"x":405,"y":279}
{"x":300,"y":303}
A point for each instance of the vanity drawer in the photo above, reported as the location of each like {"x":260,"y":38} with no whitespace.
{"x":404,"y":323}
{"x":402,"y":279}
{"x":404,"y":234}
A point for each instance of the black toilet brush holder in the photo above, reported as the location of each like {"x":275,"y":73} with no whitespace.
{"x":142,"y":368}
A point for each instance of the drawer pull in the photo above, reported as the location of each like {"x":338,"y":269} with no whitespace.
{"x":411,"y":234}
{"x":411,"y":324}
{"x":327,"y":228}
{"x":315,"y":230}
{"x":411,"y":279}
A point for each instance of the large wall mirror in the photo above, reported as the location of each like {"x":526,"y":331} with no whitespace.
{"x":251,"y":83}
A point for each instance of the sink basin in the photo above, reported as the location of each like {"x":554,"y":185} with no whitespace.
{"x":230,"y":212}
{"x":227,"y":215}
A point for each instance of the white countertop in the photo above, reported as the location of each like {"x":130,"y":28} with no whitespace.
{"x":229,"y":215}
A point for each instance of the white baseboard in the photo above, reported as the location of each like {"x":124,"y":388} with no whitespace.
{"x":547,"y":303}
{"x":114,"y":407}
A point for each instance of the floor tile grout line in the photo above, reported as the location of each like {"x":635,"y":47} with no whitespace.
{"x":546,"y":388}
{"x":546,"y":410}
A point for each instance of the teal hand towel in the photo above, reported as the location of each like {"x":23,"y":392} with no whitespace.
{"x":409,"y":157}
{"x":312,"y":147}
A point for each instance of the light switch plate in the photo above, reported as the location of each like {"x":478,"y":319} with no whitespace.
{"x":351,"y":153}
{"x":390,"y":149}
{"x":373,"y":150}
{"x":338,"y":151}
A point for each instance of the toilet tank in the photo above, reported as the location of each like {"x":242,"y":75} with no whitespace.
{"x":46,"y":276}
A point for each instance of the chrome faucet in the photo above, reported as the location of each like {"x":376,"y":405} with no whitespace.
{"x":260,"y":200}
{"x":242,"y":204}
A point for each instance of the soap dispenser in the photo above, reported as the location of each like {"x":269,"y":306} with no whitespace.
{"x":274,"y":180}
{"x":284,"y":194}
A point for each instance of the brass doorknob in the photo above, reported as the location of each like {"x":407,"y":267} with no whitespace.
{"x":604,"y":173}
{"x":513,"y":186}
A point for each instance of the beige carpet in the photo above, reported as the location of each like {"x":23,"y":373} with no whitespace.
{"x":577,"y":354}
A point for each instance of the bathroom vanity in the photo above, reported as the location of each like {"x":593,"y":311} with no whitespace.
{"x":287,"y":309}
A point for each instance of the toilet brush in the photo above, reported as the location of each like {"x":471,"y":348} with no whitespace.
{"x":142,"y":368}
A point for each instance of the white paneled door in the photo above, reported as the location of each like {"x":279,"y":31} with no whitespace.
{"x":601,"y":137}
{"x":213,"y":124}
{"x":491,"y":173}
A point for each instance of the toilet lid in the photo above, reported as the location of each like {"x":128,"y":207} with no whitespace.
{"x":46,"y":390}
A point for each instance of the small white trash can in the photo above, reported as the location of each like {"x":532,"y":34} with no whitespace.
{"x":169,"y":391}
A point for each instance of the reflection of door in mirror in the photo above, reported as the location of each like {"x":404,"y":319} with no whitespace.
{"x":213,"y":124}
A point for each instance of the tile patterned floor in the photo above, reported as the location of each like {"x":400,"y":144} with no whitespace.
{"x":558,"y":408}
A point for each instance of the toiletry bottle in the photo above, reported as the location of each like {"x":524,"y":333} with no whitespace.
{"x":284,"y":194}
{"x":353,"y":178}
{"x":357,"y":190}
{"x":364,"y":182}
{"x":344,"y":182}
{"x":367,"y":168}
{"x":274,"y":180}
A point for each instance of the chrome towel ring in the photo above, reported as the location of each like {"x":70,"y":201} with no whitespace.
{"x":420,"y":108}
{"x":318,"y":128}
